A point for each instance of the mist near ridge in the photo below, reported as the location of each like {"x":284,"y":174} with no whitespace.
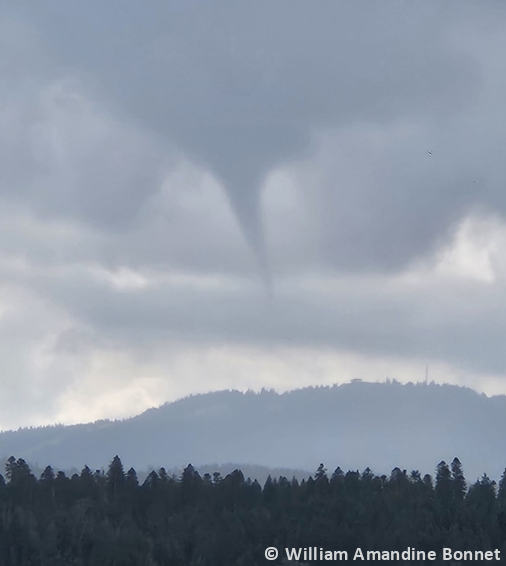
{"x":354,"y":426}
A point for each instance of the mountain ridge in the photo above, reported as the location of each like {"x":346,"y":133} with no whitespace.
{"x":354,"y":425}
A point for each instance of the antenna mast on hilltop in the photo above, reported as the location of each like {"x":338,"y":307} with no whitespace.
{"x":426,"y":374}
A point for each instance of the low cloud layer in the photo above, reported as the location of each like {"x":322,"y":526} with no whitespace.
{"x":162,"y":161}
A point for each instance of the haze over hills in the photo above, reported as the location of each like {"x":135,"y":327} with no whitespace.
{"x":356,"y":425}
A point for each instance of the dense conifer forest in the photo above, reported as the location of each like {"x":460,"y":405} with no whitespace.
{"x":108,"y":518}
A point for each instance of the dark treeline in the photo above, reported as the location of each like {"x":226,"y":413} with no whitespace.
{"x":108,"y":518}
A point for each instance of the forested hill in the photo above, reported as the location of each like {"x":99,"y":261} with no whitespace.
{"x":354,"y":426}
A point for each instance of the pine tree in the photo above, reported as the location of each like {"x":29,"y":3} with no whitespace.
{"x":190,"y":484}
{"x":501,"y":495}
{"x":338,"y":474}
{"x":321,"y":474}
{"x":17,"y":471}
{"x":443,"y":482}
{"x":152,"y":481}
{"x":415,"y":477}
{"x":115,"y":476}
{"x":131,"y":479}
{"x":10,"y":468}
{"x":47,"y":481}
{"x":427,"y":480}
{"x":501,"y":503}
{"x":47,"y":475}
{"x":163,"y":475}
{"x":459,"y":486}
{"x":444,"y":496}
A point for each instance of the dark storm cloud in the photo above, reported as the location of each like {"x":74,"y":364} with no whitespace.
{"x":461,"y":323}
{"x":244,"y":87}
{"x":347,"y":139}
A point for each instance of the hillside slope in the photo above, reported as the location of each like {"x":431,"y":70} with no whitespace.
{"x":356,"y":425}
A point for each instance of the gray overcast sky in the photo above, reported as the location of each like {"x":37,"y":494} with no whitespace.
{"x":164,"y":162}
